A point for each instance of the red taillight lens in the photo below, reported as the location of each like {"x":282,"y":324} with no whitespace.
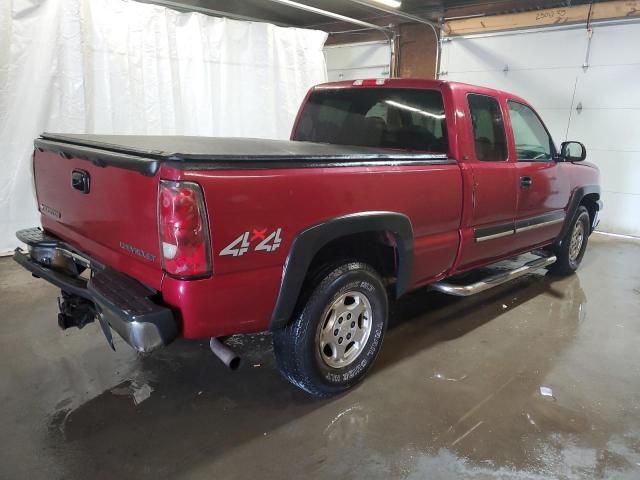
{"x":184,"y":232}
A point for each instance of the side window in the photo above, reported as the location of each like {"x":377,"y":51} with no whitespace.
{"x":488,"y":128}
{"x":531,"y":138}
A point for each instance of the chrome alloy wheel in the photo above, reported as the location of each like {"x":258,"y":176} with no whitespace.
{"x":345,"y":329}
{"x":577,"y":237}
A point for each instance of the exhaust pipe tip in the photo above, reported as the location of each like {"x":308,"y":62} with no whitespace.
{"x":234,"y":363}
{"x":224,"y":353}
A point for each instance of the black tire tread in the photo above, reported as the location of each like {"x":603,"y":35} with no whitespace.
{"x":288,"y":347}
{"x":562,"y":266}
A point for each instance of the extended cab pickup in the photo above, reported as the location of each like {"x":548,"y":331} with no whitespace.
{"x":386,"y":186}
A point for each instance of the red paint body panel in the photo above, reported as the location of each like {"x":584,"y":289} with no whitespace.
{"x":444,"y":203}
{"x":120,"y":207}
{"x":293,"y":200}
{"x":239,"y":302}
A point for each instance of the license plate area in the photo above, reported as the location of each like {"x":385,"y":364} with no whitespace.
{"x":59,"y":259}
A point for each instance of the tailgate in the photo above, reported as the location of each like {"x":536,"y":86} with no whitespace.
{"x":102,"y":202}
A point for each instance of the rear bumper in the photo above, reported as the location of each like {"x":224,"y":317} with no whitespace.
{"x":122,"y":301}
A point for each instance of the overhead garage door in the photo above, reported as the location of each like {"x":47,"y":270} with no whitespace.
{"x":358,"y":60}
{"x":585,"y":88}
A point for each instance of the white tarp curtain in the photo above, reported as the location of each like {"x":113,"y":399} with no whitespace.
{"x":117,"y":66}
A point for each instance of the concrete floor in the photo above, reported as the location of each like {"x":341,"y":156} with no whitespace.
{"x":537,"y":379}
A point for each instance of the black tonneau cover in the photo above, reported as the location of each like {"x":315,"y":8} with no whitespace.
{"x":145,"y":153}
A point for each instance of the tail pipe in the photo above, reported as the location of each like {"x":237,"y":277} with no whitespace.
{"x":224,"y":353}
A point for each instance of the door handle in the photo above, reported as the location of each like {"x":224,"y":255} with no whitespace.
{"x":525,"y":182}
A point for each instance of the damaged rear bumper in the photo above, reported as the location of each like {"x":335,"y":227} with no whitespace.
{"x":123,"y":302}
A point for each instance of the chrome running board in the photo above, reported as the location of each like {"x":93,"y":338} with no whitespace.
{"x":494,"y":280}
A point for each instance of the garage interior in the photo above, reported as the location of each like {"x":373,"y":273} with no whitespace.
{"x":537,"y":378}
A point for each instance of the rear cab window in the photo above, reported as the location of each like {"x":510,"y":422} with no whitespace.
{"x":394,"y":118}
{"x":487,"y":128}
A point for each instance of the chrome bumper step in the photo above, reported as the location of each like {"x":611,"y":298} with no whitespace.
{"x":120,"y":302}
{"x":491,"y":281}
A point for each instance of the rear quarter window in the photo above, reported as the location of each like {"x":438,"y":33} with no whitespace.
{"x":487,"y":127}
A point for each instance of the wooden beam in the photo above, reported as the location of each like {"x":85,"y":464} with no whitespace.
{"x":544,"y":18}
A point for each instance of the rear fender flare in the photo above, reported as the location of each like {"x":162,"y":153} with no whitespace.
{"x":309,"y":242}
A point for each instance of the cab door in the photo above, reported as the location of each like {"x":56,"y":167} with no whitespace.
{"x":489,"y":178}
{"x":542,"y":187}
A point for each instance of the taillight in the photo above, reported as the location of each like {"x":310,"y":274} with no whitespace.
{"x":184,"y":231}
{"x":33,"y":179}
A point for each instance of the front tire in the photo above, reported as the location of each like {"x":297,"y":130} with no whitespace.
{"x":573,"y":244}
{"x":334,"y":338}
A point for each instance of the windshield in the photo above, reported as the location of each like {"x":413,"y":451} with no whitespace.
{"x":381,"y":117}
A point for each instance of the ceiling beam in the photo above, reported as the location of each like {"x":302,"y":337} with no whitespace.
{"x":185,"y":7}
{"x":396,"y":12}
{"x":543,"y":18}
{"x":326,"y":13}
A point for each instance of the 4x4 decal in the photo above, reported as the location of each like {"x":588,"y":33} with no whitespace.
{"x":242,"y":244}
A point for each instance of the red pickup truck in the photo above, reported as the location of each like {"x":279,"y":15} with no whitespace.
{"x":386,"y":186}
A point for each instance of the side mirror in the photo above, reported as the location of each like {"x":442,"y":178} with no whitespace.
{"x":573,"y":151}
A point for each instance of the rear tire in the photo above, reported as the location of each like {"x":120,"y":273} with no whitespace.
{"x":573,"y":244}
{"x":335,"y":336}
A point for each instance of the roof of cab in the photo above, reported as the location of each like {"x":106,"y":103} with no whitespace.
{"x":384,"y":83}
{"x":414,"y":83}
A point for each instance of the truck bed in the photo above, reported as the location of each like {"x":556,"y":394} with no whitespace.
{"x":146,"y":153}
